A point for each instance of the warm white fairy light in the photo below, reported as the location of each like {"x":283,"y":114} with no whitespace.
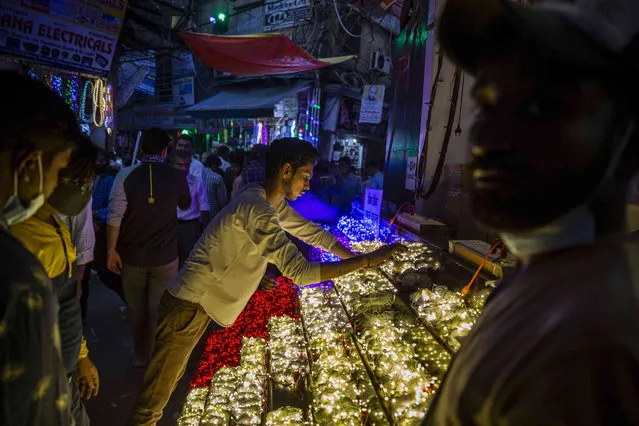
{"x":342,"y":392}
{"x":409,"y":268}
{"x":393,"y":351}
{"x":366,"y":292}
{"x":236,"y":394}
{"x":247,"y":401}
{"x":193,"y":407}
{"x":449,"y":313}
{"x":287,"y":349}
{"x":286,"y":416}
{"x":217,"y":409}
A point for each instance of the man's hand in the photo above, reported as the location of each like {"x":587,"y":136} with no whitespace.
{"x":114,"y":263}
{"x":268,"y":282}
{"x":382,"y":254}
{"x":88,"y":378}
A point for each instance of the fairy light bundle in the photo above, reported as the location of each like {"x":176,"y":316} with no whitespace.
{"x":448,"y":312}
{"x":405,"y":383}
{"x":248,"y":400}
{"x":217,"y":409}
{"x":341,"y":390}
{"x":366,"y":292}
{"x":356,"y":230}
{"x":286,"y":416}
{"x":193,"y":407}
{"x":287,"y":348}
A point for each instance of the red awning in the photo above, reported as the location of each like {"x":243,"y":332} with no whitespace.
{"x":255,"y":55}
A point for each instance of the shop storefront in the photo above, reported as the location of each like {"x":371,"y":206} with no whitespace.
{"x":241,"y":116}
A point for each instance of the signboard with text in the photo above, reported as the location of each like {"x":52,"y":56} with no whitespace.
{"x":279,"y":14}
{"x":373,"y":207}
{"x":73,"y":34}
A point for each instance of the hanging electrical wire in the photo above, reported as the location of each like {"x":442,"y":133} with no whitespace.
{"x":424,"y":152}
{"x":339,"y":18}
{"x":449,"y":130}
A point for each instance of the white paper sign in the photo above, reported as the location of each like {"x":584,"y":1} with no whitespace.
{"x":373,"y":207}
{"x":183,"y":91}
{"x":372,"y":104}
{"x":411,"y":173}
{"x":279,"y":14}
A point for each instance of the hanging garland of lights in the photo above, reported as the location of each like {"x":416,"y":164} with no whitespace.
{"x":88,"y":88}
{"x":99,"y":102}
{"x":71,"y":92}
{"x":108,"y":98}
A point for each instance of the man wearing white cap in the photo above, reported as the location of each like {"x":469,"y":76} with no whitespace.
{"x":554,"y":145}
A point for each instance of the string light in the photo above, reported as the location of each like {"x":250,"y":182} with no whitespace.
{"x":99,"y":102}
{"x":449,"y":313}
{"x":341,"y":390}
{"x":88,"y":89}
{"x":287,"y":349}
{"x":108,"y":111}
{"x":72,"y":91}
{"x":286,"y":416}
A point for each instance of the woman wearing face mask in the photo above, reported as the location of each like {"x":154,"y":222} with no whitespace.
{"x":39,"y":132}
{"x":46,"y":235}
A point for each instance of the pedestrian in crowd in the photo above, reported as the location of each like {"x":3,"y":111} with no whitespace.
{"x":215,"y":188}
{"x":184,"y":142}
{"x":83,"y":239}
{"x":142,"y":243}
{"x":237,"y":163}
{"x":107,"y":170}
{"x":224,"y":152}
{"x":191,"y":220}
{"x":254,"y":171}
{"x":48,"y":238}
{"x":375,"y":172}
{"x":228,"y":262}
{"x":39,"y":133}
{"x":349,"y":186}
{"x":554,"y":145}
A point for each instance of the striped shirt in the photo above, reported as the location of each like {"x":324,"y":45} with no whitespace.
{"x":216,"y":191}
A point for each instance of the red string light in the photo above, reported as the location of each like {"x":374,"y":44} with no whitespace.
{"x":223,"y":346}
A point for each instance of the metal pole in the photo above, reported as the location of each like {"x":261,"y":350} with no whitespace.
{"x":137,"y":146}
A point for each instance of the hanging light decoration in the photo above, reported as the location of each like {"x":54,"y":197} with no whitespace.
{"x":87,"y":91}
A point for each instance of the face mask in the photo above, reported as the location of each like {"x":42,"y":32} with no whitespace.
{"x":14,"y":211}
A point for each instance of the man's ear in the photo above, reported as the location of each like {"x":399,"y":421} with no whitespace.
{"x":287,"y":171}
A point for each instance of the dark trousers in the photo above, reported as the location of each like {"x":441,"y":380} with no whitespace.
{"x":144,"y":288}
{"x":181,"y":325}
{"x":189,"y":232}
{"x":84,"y":299}
{"x":111,"y":280}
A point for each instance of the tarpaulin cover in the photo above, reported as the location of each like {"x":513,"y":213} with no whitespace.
{"x":255,"y":55}
{"x":240,"y":101}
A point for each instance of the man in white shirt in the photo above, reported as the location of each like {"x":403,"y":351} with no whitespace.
{"x":228,"y":262}
{"x":224,"y":152}
{"x":192,"y":220}
{"x":376,"y":175}
{"x":185,"y":143}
